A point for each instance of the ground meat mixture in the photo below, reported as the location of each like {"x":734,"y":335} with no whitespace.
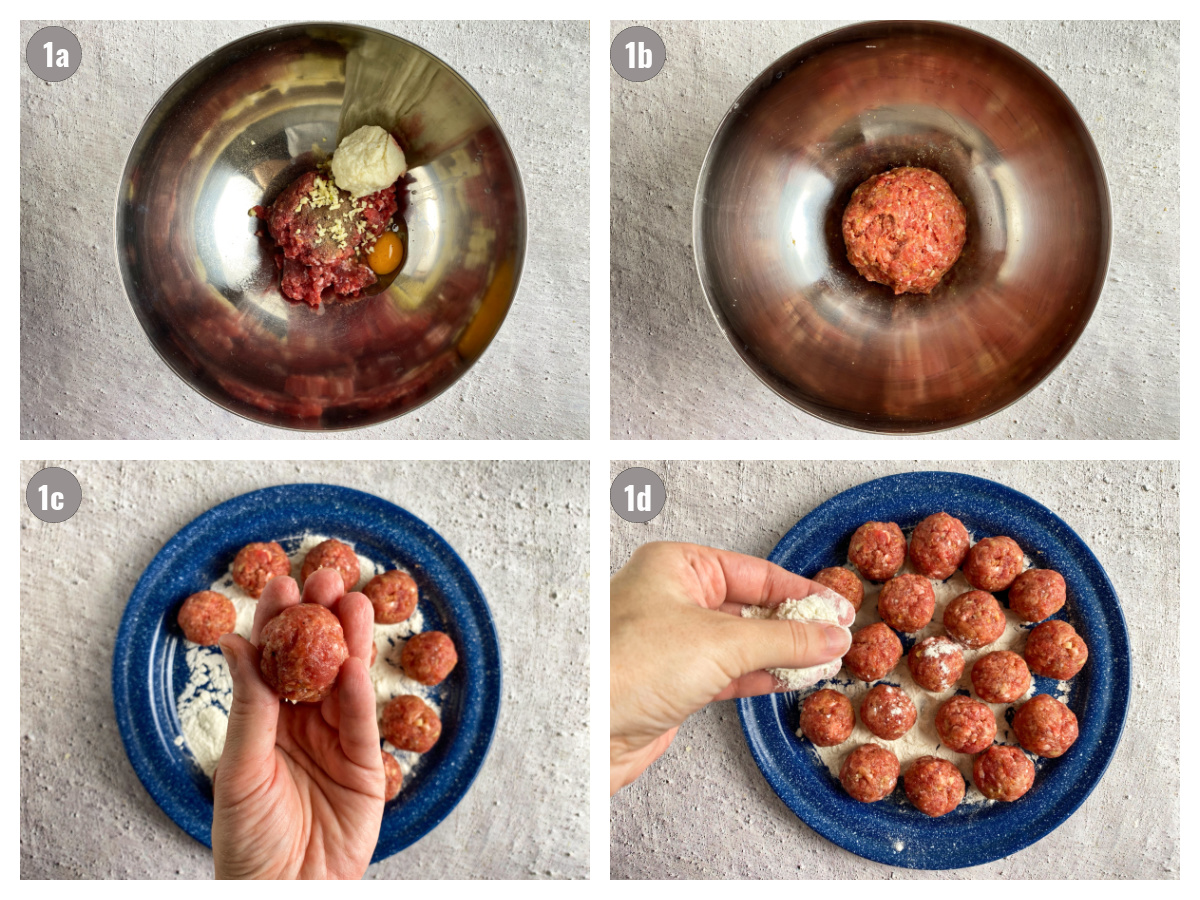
{"x":869,"y":773}
{"x":934,"y":786}
{"x":301,"y":652}
{"x":826,"y":718}
{"x":904,"y":229}
{"x":1003,"y":773}
{"x":394,"y":776}
{"x":974,"y":619}
{"x":394,"y":596}
{"x":409,"y":724}
{"x":428,"y":657}
{"x":965,"y":725}
{"x":906,"y":603}
{"x":993,"y":563}
{"x":256,"y":564}
{"x":842,"y":581}
{"x":1000,"y":677}
{"x":874,"y":651}
{"x":205,"y":616}
{"x":332,"y":554}
{"x":936,"y":663}
{"x":877,"y":550}
{"x":1055,"y":650}
{"x":938,"y":546}
{"x":887,"y":712}
{"x":1045,"y":727}
{"x":1037,"y":594}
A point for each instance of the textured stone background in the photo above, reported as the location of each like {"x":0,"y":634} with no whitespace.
{"x":88,"y":370}
{"x":704,"y":810}
{"x":522,"y":528}
{"x":674,"y":375}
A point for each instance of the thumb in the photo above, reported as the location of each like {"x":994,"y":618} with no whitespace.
{"x":254,"y":714}
{"x":754,"y":644}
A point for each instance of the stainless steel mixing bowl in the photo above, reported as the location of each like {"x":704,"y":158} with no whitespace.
{"x":232,"y":133}
{"x":860,"y":100}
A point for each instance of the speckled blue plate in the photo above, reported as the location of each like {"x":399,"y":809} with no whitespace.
{"x":149,"y":667}
{"x":892,"y":831}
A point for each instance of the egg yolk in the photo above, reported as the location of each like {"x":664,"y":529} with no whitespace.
{"x":385,"y":255}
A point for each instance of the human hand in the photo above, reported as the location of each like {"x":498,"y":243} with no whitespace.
{"x":298,"y":792}
{"x":678,"y":641}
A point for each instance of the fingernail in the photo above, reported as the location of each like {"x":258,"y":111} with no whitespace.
{"x":230,"y":658}
{"x":837,"y":640}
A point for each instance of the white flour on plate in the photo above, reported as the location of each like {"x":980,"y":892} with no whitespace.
{"x":203,"y":704}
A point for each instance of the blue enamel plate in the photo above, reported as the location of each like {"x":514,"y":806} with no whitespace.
{"x":892,"y":831}
{"x":149,"y":669}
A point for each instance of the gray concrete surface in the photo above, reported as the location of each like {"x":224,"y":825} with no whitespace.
{"x":522,"y":528}
{"x":674,"y":375}
{"x":88,"y":370}
{"x":704,"y":811}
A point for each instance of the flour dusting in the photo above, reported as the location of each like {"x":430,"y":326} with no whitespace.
{"x":820,"y":608}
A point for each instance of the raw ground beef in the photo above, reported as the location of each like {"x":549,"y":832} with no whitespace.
{"x":394,"y":775}
{"x":887,"y":712}
{"x":936,"y":663}
{"x":258,"y":563}
{"x":1045,"y":726}
{"x":428,"y":657}
{"x":1037,"y":594}
{"x":1000,"y":677}
{"x":842,"y":581}
{"x":965,"y":725}
{"x":409,"y":724}
{"x":974,"y":619}
{"x":301,"y":652}
{"x":938,"y":546}
{"x":332,"y":554}
{"x":826,"y":718}
{"x":877,"y":550}
{"x":1055,"y":650}
{"x":934,"y":786}
{"x":393,"y":595}
{"x":869,"y":773}
{"x":1003,"y":773}
{"x":205,"y":616}
{"x":906,"y":603}
{"x":993,"y":563}
{"x":874,"y":651}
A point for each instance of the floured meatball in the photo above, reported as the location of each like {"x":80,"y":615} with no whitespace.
{"x":877,"y":550}
{"x":410,"y":724}
{"x":301,"y":652}
{"x":938,"y":546}
{"x":332,"y":554}
{"x":936,"y":663}
{"x":205,"y":616}
{"x":393,"y":595}
{"x":258,"y":563}
{"x":842,"y":581}
{"x":887,"y":712}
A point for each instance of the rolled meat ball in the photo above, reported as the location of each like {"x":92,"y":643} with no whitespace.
{"x":934,"y":786}
{"x":410,"y":724}
{"x":974,"y":619}
{"x":842,"y":581}
{"x":1003,"y":773}
{"x":301,"y":652}
{"x":332,"y":554}
{"x":1000,"y":677}
{"x":256,"y":564}
{"x":1045,"y":727}
{"x":874,"y":651}
{"x":1055,"y":650}
{"x":906,"y":603}
{"x":877,"y":550}
{"x":205,"y":616}
{"x":887,"y":712}
{"x":393,"y":595}
{"x":965,"y":725}
{"x":936,"y":663}
{"x":938,"y":546}
{"x":826,"y":718}
{"x":394,"y":776}
{"x":869,"y":773}
{"x":1037,"y":594}
{"x":993,"y":563}
{"x":428,"y":657}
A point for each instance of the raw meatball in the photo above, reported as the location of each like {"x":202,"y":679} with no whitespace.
{"x":877,"y":549}
{"x":870,"y":773}
{"x":874,"y":651}
{"x":374,"y":653}
{"x":1045,"y":727}
{"x":205,"y":616}
{"x":394,"y":776}
{"x":1037,"y":594}
{"x":842,"y":581}
{"x":302,"y":650}
{"x":1055,"y":650}
{"x":826,"y":718}
{"x":974,"y":619}
{"x":906,"y":603}
{"x":409,"y":724}
{"x":905,"y":229}
{"x":887,"y":712}
{"x":332,"y":554}
{"x":938,"y":546}
{"x":428,"y":657}
{"x":1000,"y":677}
{"x":993,"y":563}
{"x":394,"y":596}
{"x":934,"y":786}
{"x":936,"y":663}
{"x":1003,"y":773}
{"x":965,"y":725}
{"x":256,"y":564}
